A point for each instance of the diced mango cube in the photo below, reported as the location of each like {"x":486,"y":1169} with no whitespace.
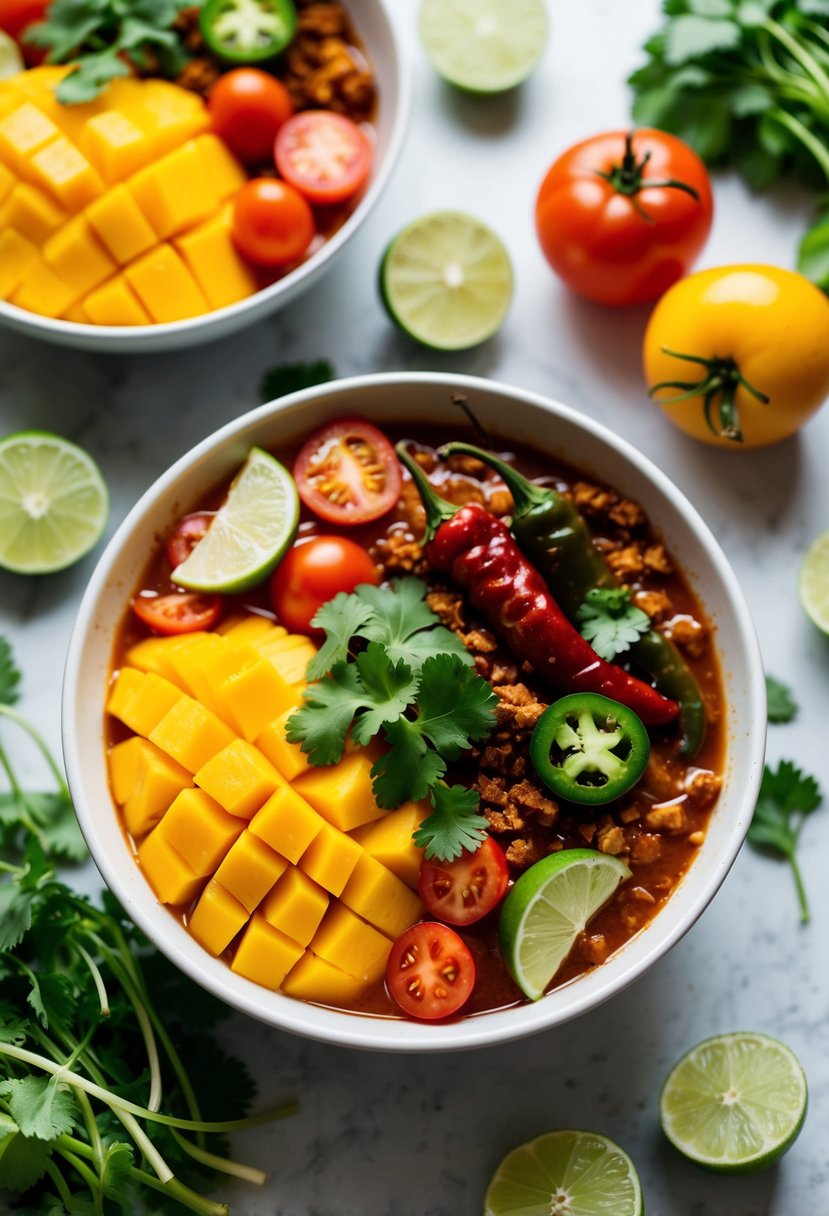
{"x":250,"y":869}
{"x":313,"y":979}
{"x":115,"y":145}
{"x":22,"y":131}
{"x":247,"y":628}
{"x":389,"y":840}
{"x":31,"y":212}
{"x":186,"y":662}
{"x":295,"y":906}
{"x":217,"y":267}
{"x":190,"y":734}
{"x":175,"y":192}
{"x":66,"y":174}
{"x":255,"y":696}
{"x":42,"y":291}
{"x":380,"y":897}
{"x":216,"y":663}
{"x":16,"y":255}
{"x":158,"y":782}
{"x":289,"y":758}
{"x":350,"y":944}
{"x":199,"y":830}
{"x":342,"y":792}
{"x":169,"y":875}
{"x":287,"y":823}
{"x":114,"y":304}
{"x":216,"y":918}
{"x":77,"y":257}
{"x":123,"y":767}
{"x":122,"y":693}
{"x":239,"y":778}
{"x":165,"y":286}
{"x":221,"y":167}
{"x":153,"y":697}
{"x":290,"y":655}
{"x":120,"y":224}
{"x":170,"y":115}
{"x":155,"y":654}
{"x":265,"y":955}
{"x":330,"y":858}
{"x":7,"y":181}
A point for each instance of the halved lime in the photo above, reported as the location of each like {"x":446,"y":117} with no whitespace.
{"x":53,"y":502}
{"x":814,"y":582}
{"x":250,"y":531}
{"x":548,"y":907}
{"x":565,"y":1173}
{"x":446,"y":280}
{"x":11,"y":59}
{"x":483,"y":46}
{"x":734,"y":1103}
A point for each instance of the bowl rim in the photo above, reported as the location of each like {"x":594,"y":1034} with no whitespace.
{"x":359,"y":1030}
{"x":166,"y":334}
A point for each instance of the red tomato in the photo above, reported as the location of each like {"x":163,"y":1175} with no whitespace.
{"x":622,"y":216}
{"x":325,"y":155}
{"x":178,"y":613}
{"x":464,"y":890}
{"x":272,"y":223}
{"x":16,"y":16}
{"x":347,"y":472}
{"x":186,"y":535}
{"x":430,"y":972}
{"x":312,"y":573}
{"x":247,"y":108}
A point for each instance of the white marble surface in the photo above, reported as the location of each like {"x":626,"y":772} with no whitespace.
{"x":399,"y":1136}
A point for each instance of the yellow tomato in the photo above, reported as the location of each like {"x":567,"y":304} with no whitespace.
{"x":739,"y":355}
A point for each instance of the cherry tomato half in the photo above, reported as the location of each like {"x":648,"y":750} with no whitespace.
{"x":178,"y":613}
{"x":347,"y":472}
{"x":464,"y":890}
{"x":312,"y":573}
{"x":186,"y":535}
{"x":325,"y":155}
{"x":247,"y":108}
{"x":272,"y":223}
{"x":623,"y":215}
{"x":15,"y":18}
{"x":431,"y":972}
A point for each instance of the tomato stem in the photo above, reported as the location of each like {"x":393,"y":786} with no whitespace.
{"x":628,"y":178}
{"x":717,"y":388}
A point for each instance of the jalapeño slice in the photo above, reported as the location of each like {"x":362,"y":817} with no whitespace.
{"x":247,"y":31}
{"x":589,"y":749}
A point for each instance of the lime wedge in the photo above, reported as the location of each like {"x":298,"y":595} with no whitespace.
{"x":565,"y":1173}
{"x":735,"y":1102}
{"x":53,"y":503}
{"x":483,"y":46}
{"x":446,"y":280}
{"x":11,"y":59}
{"x":814,"y":582}
{"x":548,"y":907}
{"x":249,"y":532}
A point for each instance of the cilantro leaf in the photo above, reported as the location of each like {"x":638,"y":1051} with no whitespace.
{"x":42,"y":1107}
{"x":454,"y":824}
{"x":408,"y":770}
{"x":455,"y":705}
{"x":23,"y":1160}
{"x":786,"y":798}
{"x":406,"y":625}
{"x":9,"y":674}
{"x":690,"y":36}
{"x":611,"y":622}
{"x":291,"y":377}
{"x":341,"y":618}
{"x":389,"y":687}
{"x":782,"y":706}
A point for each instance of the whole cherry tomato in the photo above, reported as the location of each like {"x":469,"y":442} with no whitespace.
{"x":272,"y":225}
{"x":739,"y":356}
{"x":312,"y":573}
{"x":248,"y":107}
{"x":177,"y":613}
{"x":431,"y":972}
{"x":623,"y":215}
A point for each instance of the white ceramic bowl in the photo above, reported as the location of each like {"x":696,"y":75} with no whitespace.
{"x":388,"y":56}
{"x":548,"y":426}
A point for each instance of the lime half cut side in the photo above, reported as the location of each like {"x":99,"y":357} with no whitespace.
{"x":446,"y":280}
{"x":814,"y":582}
{"x":565,"y":1173}
{"x":734,"y":1103}
{"x":53,"y":503}
{"x":548,"y":907}
{"x":483,"y":46}
{"x":249,"y":533}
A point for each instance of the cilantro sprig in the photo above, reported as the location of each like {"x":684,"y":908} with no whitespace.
{"x":389,"y":668}
{"x":610,"y":621}
{"x":787,"y":797}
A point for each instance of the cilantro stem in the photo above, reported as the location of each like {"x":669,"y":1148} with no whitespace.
{"x":7,"y":712}
{"x":236,"y":1169}
{"x":90,"y":1178}
{"x":802,"y":133}
{"x":805,"y":914}
{"x":97,"y":979}
{"x":60,"y":1185}
{"x":142,"y":1017}
{"x":798,"y":53}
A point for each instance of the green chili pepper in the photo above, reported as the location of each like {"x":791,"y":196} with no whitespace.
{"x":247,"y":31}
{"x":589,"y":749}
{"x":555,"y":537}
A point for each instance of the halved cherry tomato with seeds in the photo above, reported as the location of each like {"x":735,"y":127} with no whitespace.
{"x":186,"y":535}
{"x":466,"y":889}
{"x":324,"y":155}
{"x":347,"y":472}
{"x":431,"y":972}
{"x":177,"y":613}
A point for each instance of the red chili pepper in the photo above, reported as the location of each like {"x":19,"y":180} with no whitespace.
{"x":479,"y":553}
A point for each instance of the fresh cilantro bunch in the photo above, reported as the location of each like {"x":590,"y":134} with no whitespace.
{"x":101,"y":37}
{"x":49,"y":817}
{"x":389,"y":668}
{"x":787,"y":797}
{"x":610,"y":621}
{"x":747,"y":82}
